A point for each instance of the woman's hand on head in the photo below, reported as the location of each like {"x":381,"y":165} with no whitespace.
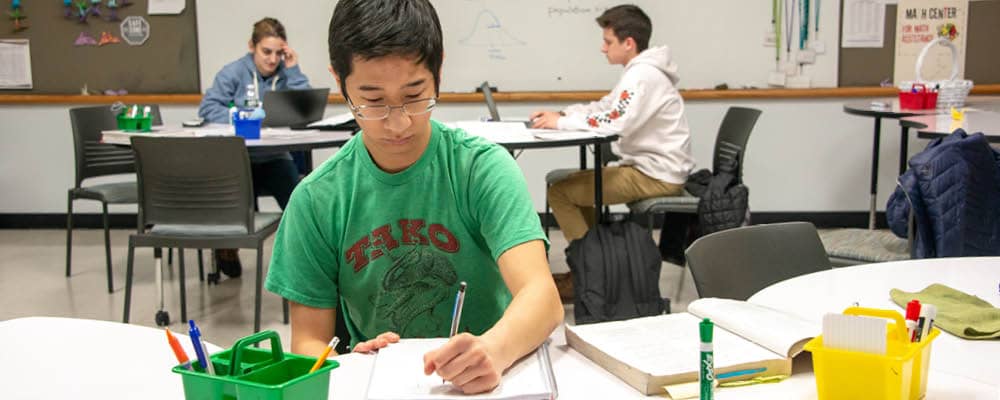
{"x":378,"y":342}
{"x":291,"y":58}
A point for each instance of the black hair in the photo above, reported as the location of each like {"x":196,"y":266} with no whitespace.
{"x":377,"y":28}
{"x":265,"y":28}
{"x":628,"y":21}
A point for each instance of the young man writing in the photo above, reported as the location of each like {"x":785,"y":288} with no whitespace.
{"x":408,"y":209}
{"x":644,"y":109}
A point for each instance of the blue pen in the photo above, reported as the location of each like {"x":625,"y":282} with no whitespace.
{"x":739,"y":373}
{"x":199,"y":348}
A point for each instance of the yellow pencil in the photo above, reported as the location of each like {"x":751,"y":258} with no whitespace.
{"x":326,"y":352}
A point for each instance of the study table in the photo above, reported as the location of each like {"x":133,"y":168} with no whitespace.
{"x":935,"y":126}
{"x":813,"y":295}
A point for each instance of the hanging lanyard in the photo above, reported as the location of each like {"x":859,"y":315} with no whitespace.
{"x":816,"y":24}
{"x":789,"y":7}
{"x":776,"y":22}
{"x":803,"y":23}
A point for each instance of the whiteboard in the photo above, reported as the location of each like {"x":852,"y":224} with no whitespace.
{"x":539,"y":45}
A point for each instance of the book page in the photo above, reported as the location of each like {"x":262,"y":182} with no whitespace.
{"x":667,"y":345}
{"x":399,"y":375}
{"x":777,"y":331}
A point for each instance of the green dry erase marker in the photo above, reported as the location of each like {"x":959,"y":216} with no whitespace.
{"x":706,"y":376}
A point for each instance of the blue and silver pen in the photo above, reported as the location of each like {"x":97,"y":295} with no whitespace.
{"x":199,"y":348}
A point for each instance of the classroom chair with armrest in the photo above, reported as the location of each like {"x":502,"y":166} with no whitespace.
{"x":736,"y":263}
{"x":94,"y":159}
{"x":196,"y":193}
{"x":730,"y":145}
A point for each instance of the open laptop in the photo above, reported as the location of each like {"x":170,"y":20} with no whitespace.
{"x":294,"y":108}
{"x":492,"y":105}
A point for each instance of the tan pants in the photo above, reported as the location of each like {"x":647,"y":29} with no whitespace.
{"x":572,"y":199}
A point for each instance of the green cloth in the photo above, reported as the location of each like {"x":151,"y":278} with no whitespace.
{"x":391,"y":249}
{"x":958,"y":313}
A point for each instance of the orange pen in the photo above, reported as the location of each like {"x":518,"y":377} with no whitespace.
{"x":182,"y":357}
{"x":326,"y":352}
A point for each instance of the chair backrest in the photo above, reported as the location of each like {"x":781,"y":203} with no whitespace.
{"x":734,"y":133}
{"x":94,"y":158}
{"x":737,"y":263}
{"x":194,"y":181}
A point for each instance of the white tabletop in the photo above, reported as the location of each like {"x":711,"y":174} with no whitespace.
{"x":811,"y":296}
{"x":64,"y":358}
{"x":987,"y":122}
{"x":269,"y":136}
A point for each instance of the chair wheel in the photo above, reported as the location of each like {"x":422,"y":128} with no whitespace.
{"x":162,"y":318}
{"x":213,"y":278}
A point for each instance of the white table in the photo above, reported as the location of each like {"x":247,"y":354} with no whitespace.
{"x":811,"y":296}
{"x":273,"y":139}
{"x":65,"y":358}
{"x":935,"y":126}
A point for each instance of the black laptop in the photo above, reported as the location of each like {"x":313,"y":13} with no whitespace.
{"x":294,"y":108}
{"x":492,"y":105}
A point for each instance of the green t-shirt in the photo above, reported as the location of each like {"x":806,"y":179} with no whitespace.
{"x":391,"y":249}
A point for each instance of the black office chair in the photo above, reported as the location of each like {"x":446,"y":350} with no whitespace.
{"x":736,"y":263}
{"x":196,"y":193}
{"x":94,"y":159}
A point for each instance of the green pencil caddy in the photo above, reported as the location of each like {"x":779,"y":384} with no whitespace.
{"x":244,"y":373}
{"x":135,"y":124}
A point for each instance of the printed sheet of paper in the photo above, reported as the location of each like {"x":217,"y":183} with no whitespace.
{"x":15,"y":64}
{"x":166,"y":7}
{"x":864,"y":24}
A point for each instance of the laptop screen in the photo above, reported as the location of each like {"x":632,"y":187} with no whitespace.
{"x":294,"y":107}
{"x":490,"y":103}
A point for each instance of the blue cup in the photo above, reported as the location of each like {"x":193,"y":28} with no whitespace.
{"x":247,"y":128}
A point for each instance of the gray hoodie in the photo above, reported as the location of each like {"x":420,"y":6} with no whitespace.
{"x":231,"y":83}
{"x":647,"y":112}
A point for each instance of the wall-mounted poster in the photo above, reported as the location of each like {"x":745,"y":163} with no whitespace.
{"x":919,"y":22}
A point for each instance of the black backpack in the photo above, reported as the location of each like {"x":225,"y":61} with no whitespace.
{"x":616,"y":274}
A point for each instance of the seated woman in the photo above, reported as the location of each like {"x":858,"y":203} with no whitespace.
{"x":270,"y":65}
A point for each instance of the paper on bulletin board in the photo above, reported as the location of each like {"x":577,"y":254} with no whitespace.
{"x":165,"y":7}
{"x":864,"y":24}
{"x":921,"y":21}
{"x":15,"y":64}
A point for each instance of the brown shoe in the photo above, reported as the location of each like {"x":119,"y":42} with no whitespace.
{"x":564,"y":284}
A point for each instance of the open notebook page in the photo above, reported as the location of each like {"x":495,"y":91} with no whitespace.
{"x":779,"y":332}
{"x":399,"y":375}
{"x":667,"y":345}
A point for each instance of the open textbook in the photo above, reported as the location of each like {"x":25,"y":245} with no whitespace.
{"x":649,"y":353}
{"x":399,"y":375}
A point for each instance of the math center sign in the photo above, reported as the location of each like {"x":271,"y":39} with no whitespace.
{"x":135,"y":30}
{"x":919,"y":22}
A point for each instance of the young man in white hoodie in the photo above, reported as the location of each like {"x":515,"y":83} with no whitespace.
{"x":647,"y":113}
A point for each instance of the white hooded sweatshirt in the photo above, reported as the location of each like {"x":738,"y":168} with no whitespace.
{"x":647,"y":112}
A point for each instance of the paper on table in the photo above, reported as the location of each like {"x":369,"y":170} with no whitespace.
{"x":331,"y":121}
{"x":549,"y":134}
{"x":497,"y":132}
{"x":286,"y":133}
{"x":399,"y":374}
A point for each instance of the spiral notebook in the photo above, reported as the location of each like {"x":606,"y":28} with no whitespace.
{"x":399,"y":375}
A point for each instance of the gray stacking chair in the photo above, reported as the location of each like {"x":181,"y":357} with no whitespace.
{"x":196,"y":193}
{"x":94,"y":159}
{"x":730,"y":144}
{"x":736,"y":263}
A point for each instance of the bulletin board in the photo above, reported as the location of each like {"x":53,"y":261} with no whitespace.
{"x":167,"y":62}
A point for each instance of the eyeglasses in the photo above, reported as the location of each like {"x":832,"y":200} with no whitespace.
{"x":381,"y":111}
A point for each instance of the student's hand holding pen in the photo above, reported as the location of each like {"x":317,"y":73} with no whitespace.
{"x":545,"y":120}
{"x":291,"y":58}
{"x":379,"y":342}
{"x":469,"y":362}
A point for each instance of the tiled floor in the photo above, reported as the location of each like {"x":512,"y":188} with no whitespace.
{"x":33,"y":283}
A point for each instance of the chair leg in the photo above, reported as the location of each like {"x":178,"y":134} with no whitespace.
{"x":548,"y":214}
{"x":284,"y":310}
{"x":69,"y":232}
{"x":170,"y":256}
{"x":260,"y":276}
{"x":201,"y":267}
{"x":107,"y":246}
{"x":128,"y":279}
{"x":180,"y":268}
{"x":680,"y":282}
